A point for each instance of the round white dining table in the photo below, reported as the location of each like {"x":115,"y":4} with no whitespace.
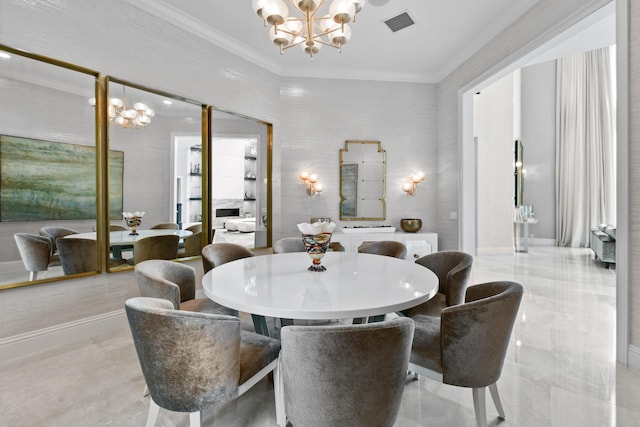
{"x":121,"y":238}
{"x":354,"y":285}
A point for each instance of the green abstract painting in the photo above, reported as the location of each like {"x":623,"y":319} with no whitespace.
{"x":46,"y":180}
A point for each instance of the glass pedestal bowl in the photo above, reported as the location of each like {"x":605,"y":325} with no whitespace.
{"x":132,"y":222}
{"x":316,"y":246}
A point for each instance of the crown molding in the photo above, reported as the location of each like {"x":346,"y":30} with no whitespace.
{"x":174,"y":16}
{"x":187,"y":23}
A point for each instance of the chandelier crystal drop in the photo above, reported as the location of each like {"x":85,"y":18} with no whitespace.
{"x":137,"y":117}
{"x":309,"y":29}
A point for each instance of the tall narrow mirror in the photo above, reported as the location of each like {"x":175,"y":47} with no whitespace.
{"x":362,"y":181}
{"x":240,"y":156}
{"x":48,"y":168}
{"x":518,"y":173}
{"x":161,"y":140}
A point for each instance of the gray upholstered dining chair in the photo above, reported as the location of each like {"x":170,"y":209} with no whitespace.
{"x":390,"y":248}
{"x":289,"y":244}
{"x":54,"y":233}
{"x":195,"y":361}
{"x":453,"y":269}
{"x":165,"y":226}
{"x":155,"y":247}
{"x":345,"y":375}
{"x":467,"y":345}
{"x":215,"y":254}
{"x":36,"y":253}
{"x":175,"y":282}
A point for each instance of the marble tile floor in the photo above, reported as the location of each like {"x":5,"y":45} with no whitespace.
{"x":560,"y":369}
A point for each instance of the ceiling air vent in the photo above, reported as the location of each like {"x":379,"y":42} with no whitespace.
{"x":399,"y":22}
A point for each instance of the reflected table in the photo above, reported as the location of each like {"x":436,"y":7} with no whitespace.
{"x":118,"y":239}
{"x":354,"y":285}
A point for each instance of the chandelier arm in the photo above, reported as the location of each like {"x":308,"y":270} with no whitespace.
{"x":320,"y":3}
{"x":293,"y":44}
{"x":337,"y":46}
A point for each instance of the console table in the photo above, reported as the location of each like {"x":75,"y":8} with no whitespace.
{"x":418,"y":244}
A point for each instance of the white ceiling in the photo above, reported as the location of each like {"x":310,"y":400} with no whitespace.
{"x":444,"y":35}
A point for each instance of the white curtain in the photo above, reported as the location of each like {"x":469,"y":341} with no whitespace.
{"x":585,"y":146}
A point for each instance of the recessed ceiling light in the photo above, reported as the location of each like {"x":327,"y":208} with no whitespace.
{"x":167,"y":102}
{"x":4,"y":55}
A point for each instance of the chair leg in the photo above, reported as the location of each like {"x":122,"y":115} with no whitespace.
{"x":281,"y":417}
{"x":153,"y":413}
{"x":194,"y":419}
{"x":33,"y":275}
{"x":493,"y":389}
{"x":479,"y":405}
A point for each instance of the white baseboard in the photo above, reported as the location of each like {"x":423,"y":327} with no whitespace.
{"x":633,"y":357}
{"x":65,"y":333}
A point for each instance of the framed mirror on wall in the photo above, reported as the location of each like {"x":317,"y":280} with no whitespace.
{"x":362,"y":181}
{"x":241,"y":180}
{"x":162,"y":137}
{"x":49,"y":171}
{"x":518,"y":172}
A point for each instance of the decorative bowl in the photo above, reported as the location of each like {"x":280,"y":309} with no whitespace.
{"x":316,"y":246}
{"x":411,"y":225}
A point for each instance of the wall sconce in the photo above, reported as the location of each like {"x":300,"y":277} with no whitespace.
{"x":414,"y":180}
{"x":314,"y":188}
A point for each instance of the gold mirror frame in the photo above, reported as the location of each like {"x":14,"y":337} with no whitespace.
{"x":362,"y":181}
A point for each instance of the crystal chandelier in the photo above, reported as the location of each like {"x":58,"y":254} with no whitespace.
{"x":307,"y":30}
{"x":137,"y":117}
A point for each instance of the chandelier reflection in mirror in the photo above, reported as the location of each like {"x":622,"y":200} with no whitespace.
{"x":137,"y":117}
{"x":308,"y":31}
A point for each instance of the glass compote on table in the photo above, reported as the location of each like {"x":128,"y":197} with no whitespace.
{"x":316,"y":238}
{"x":133,"y":221}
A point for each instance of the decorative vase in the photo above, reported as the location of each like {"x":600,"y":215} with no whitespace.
{"x":133,"y":221}
{"x":411,"y":225}
{"x":316,"y":245}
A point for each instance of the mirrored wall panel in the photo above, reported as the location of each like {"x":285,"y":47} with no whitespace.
{"x":48,"y":169}
{"x":239,"y":191}
{"x":155,"y":209}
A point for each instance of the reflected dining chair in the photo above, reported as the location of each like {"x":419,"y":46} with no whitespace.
{"x":155,"y":247}
{"x":54,"y":233}
{"x":36,"y":253}
{"x":215,"y":254}
{"x":195,"y":361}
{"x":175,"y":282}
{"x":195,"y":228}
{"x":164,"y":226}
{"x":345,"y":375}
{"x":77,"y":255}
{"x":289,"y":244}
{"x":80,"y":255}
{"x":453,"y":269}
{"x":390,"y":248}
{"x":467,"y":345}
{"x":191,"y":245}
